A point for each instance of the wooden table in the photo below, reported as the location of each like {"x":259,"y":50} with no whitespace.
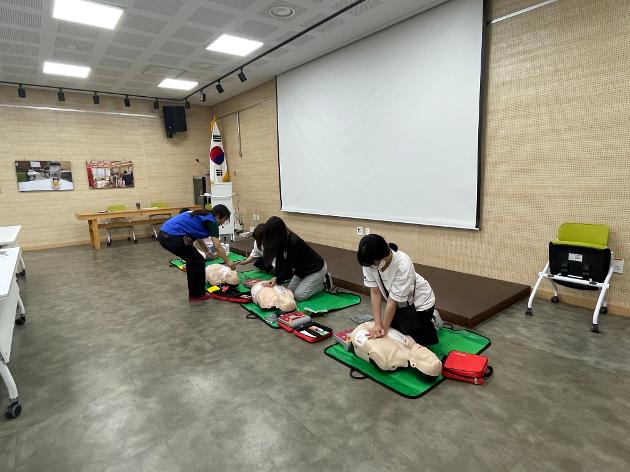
{"x":94,"y":217}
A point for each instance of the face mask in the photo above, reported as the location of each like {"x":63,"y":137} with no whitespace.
{"x":380,"y":265}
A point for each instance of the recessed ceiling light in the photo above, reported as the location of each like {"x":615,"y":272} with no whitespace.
{"x":56,"y":68}
{"x":87,"y":13}
{"x":229,"y":44}
{"x":282,"y":11}
{"x":178,"y":84}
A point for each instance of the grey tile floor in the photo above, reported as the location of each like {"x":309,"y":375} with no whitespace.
{"x":118,"y":372}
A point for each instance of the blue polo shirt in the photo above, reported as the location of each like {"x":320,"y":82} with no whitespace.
{"x":196,"y":227}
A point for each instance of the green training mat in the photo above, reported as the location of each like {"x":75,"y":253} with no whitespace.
{"x":409,"y":382}
{"x":322,"y":302}
{"x":181,"y":265}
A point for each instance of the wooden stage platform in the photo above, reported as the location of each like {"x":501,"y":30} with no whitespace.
{"x":462,"y":299}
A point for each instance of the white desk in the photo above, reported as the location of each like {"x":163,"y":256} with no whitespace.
{"x":8,"y":237}
{"x":10,"y":306}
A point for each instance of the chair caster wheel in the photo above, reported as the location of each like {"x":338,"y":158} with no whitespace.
{"x":603,"y":310}
{"x":109,"y":243}
{"x":21,"y":320}
{"x":529,"y":312}
{"x":23,"y":273}
{"x":13,"y":410}
{"x":555,"y":299}
{"x":135,"y":241}
{"x":595,"y":328}
{"x":153,"y":236}
{"x":129,"y":238}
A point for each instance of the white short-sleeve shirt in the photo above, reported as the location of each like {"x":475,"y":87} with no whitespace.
{"x":398,"y":280}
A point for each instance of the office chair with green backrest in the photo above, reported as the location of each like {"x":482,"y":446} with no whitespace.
{"x":117,"y":221}
{"x":158,"y":216}
{"x":579,"y":258}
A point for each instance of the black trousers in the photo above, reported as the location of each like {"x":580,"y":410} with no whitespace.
{"x":260,"y":264}
{"x":195,"y":262}
{"x":418,"y":325}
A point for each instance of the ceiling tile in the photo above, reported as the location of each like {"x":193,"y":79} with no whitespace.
{"x":255,"y":29}
{"x":78,"y":58}
{"x":73,"y":29}
{"x":123,"y":52}
{"x":329,"y":25}
{"x":34,"y":4}
{"x":19,"y":61}
{"x":20,"y":18}
{"x":18,"y":35}
{"x":131,"y":39}
{"x":143,"y":23}
{"x":19,"y":49}
{"x":209,"y":17}
{"x":236,"y":4}
{"x":103,"y":71}
{"x":116,"y":63}
{"x":162,"y":7}
{"x":165,"y":60}
{"x":133,"y":84}
{"x":161,"y":71}
{"x":258,"y":63}
{"x":21,"y":71}
{"x":194,"y":35}
{"x":107,"y":81}
{"x":177,"y":48}
{"x":74,"y":44}
{"x":305,"y":38}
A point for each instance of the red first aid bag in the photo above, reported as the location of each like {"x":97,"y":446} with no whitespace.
{"x":471,"y":368}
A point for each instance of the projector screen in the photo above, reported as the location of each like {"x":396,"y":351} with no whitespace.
{"x":387,"y":128}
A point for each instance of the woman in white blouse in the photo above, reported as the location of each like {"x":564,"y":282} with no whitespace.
{"x":390,"y":274}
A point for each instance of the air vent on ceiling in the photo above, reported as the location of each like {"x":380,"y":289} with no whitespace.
{"x":278,"y":8}
{"x":161,"y":71}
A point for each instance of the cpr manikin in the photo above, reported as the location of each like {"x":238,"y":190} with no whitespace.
{"x":218,"y":274}
{"x":394,"y":350}
{"x":273,"y":297}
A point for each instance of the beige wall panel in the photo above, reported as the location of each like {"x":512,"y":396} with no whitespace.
{"x":556,"y":147}
{"x":163,"y":168}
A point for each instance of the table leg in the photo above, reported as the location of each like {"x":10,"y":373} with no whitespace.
{"x":14,"y":409}
{"x":94,"y":238}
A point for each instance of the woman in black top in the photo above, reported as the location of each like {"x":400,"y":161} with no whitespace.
{"x":293,"y":258}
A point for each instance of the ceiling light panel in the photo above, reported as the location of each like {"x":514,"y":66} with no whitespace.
{"x":87,"y":13}
{"x":178,"y":84}
{"x":228,"y":44}
{"x":67,"y":70}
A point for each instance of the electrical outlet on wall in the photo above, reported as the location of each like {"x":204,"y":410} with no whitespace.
{"x":359,"y":230}
{"x":368,"y":230}
{"x":618,"y":266}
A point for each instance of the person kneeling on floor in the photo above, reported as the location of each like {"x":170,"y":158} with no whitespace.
{"x":390,"y":273}
{"x":294,"y":257}
{"x":256,"y":256}
{"x":177,"y":235}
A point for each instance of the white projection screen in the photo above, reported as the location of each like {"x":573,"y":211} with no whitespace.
{"x":387,"y":128}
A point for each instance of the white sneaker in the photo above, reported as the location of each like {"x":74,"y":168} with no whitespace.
{"x":437,"y":319}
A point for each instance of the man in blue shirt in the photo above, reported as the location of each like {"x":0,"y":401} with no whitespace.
{"x":177,"y":235}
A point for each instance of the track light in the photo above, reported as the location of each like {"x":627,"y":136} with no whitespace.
{"x":21,"y":92}
{"x":127,"y":101}
{"x":156,"y":104}
{"x":241,"y":76}
{"x":96,"y":99}
{"x":61,"y":96}
{"x":202,"y":96}
{"x":219,"y":87}
{"x":186,"y":104}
